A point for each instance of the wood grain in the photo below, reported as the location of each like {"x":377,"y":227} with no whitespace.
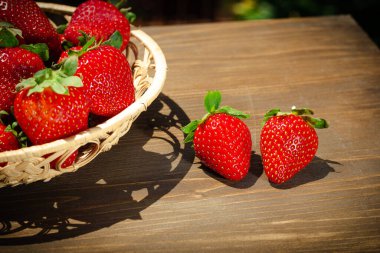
{"x":150,"y":194}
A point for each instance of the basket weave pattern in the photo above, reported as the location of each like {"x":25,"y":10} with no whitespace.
{"x":32,"y":164}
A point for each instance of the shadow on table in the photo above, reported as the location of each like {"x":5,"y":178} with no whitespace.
{"x":316,"y":170}
{"x":114,"y":187}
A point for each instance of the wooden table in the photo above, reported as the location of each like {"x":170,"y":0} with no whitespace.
{"x":150,"y":194}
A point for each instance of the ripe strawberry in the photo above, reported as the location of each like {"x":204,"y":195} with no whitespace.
{"x":52,"y":104}
{"x":222,"y":141}
{"x":16,"y":64}
{"x":288,"y":142}
{"x":35,"y":26}
{"x":98,"y":19}
{"x":7,"y":139}
{"x":107,"y":78}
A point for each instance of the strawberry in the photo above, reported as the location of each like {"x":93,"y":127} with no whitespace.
{"x":52,"y":104}
{"x":8,"y":140}
{"x":34,"y":24}
{"x":288,"y":142}
{"x":16,"y":64}
{"x":222,"y":141}
{"x":107,"y":78}
{"x":98,"y":19}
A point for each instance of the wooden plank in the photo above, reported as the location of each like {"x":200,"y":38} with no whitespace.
{"x":148,"y":194}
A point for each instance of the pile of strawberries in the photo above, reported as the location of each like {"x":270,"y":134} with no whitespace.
{"x":54,"y":82}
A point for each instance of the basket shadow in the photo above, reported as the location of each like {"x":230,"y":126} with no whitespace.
{"x":316,"y":170}
{"x":116,"y":186}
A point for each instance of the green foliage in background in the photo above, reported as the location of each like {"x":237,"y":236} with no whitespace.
{"x":263,"y":9}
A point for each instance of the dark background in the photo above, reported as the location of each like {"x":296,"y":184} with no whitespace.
{"x":165,"y":12}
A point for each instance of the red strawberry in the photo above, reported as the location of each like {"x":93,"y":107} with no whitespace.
{"x":35,"y":26}
{"x":16,"y":64}
{"x":288,"y":142}
{"x":52,"y":104}
{"x":98,"y":19}
{"x":7,"y":139}
{"x":107,"y":78}
{"x":222,"y":141}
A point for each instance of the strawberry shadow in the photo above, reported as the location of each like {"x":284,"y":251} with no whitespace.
{"x":254,"y":173}
{"x":316,"y":170}
{"x":116,"y":186}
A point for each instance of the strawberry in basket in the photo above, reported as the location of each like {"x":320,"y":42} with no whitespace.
{"x":107,"y":77}
{"x":98,"y":19}
{"x":8,"y":140}
{"x":17,"y":62}
{"x":288,"y":142}
{"x":35,"y":26}
{"x":51,"y":105}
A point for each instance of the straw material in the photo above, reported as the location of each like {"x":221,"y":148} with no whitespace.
{"x":32,"y":164}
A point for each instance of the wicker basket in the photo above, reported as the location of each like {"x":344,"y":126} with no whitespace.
{"x":32,"y":164}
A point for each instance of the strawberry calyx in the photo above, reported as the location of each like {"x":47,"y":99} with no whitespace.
{"x":304,"y":113}
{"x":59,"y":80}
{"x":8,"y":35}
{"x":89,"y":43}
{"x":212,"y":102}
{"x":41,"y":49}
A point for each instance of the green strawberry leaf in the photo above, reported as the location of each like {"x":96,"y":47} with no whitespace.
{"x":271,"y":113}
{"x":233,"y":112}
{"x":42,"y":75}
{"x":302,"y":111}
{"x":71,"y":81}
{"x":212,"y":101}
{"x":35,"y":89}
{"x":67,"y":45}
{"x":7,"y":39}
{"x":59,"y":88}
{"x":70,"y":65}
{"x":131,"y":16}
{"x":61,"y":28}
{"x":191,"y":127}
{"x":40,"y":48}
{"x":115,"y":40}
{"x":189,"y":137}
{"x":316,"y":122}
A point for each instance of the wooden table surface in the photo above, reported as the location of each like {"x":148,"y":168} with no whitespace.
{"x":150,"y":194}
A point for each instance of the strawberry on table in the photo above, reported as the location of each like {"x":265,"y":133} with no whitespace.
{"x":288,"y":142}
{"x":107,"y":77}
{"x":52,"y":105}
{"x":35,"y":26}
{"x":98,"y":19}
{"x":222,"y":141}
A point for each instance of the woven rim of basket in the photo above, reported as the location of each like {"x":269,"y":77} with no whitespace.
{"x":100,"y":130}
